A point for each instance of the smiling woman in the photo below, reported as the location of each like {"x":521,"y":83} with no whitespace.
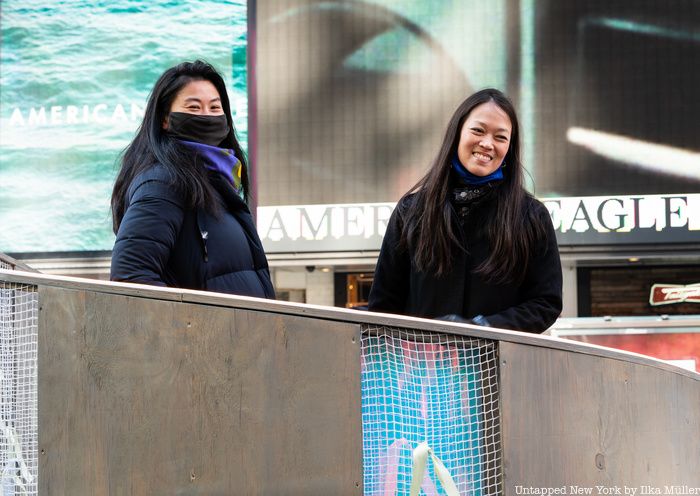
{"x":196,"y":115}
{"x":179,"y":201}
{"x":467,"y":243}
{"x":484,"y":139}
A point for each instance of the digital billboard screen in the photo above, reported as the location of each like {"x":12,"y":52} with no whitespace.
{"x":74,"y":79}
{"x":351,"y":99}
{"x":354,"y":97}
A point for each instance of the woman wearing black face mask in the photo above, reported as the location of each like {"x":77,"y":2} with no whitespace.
{"x":179,"y":202}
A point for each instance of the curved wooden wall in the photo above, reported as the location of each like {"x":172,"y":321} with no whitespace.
{"x":161,"y":391}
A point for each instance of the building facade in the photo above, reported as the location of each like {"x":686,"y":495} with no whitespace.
{"x":342,"y":106}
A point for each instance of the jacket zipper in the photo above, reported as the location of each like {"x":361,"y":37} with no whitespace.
{"x":205,"y":235}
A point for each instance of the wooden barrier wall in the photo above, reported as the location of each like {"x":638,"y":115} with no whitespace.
{"x":141,"y":396}
{"x":572,"y":419}
{"x":161,"y":391}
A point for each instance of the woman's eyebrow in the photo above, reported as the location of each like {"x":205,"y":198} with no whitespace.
{"x":500,"y":130}
{"x":197,"y":99}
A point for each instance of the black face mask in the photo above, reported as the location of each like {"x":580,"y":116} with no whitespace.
{"x":207,"y":129}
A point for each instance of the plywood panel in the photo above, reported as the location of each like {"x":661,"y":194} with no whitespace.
{"x":140,"y":396}
{"x":573,"y":419}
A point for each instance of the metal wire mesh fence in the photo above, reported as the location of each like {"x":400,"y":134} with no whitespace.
{"x":18,"y":389}
{"x":435,"y":388}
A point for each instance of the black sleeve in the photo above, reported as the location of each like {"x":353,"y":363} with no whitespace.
{"x":541,"y":289}
{"x":147,"y":234}
{"x":390,"y":288}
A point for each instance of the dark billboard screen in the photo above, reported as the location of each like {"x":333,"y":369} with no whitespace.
{"x":354,"y":98}
{"x":616,"y":87}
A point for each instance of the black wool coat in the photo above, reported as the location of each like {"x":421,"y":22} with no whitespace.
{"x":161,"y":241}
{"x":531,"y":306}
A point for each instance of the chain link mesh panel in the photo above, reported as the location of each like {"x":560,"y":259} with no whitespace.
{"x":439,"y":388}
{"x":18,"y":389}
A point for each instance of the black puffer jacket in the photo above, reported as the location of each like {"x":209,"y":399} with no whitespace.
{"x":532,"y":306}
{"x":162,"y":242}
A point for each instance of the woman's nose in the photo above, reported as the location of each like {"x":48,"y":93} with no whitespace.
{"x":486,"y":143}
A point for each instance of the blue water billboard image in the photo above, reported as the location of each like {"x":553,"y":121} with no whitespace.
{"x":75,"y":78}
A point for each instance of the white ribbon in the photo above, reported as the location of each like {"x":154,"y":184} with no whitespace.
{"x":420,"y":462}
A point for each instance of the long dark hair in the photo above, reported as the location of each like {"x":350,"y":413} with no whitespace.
{"x":153,"y":145}
{"x":511,"y":231}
